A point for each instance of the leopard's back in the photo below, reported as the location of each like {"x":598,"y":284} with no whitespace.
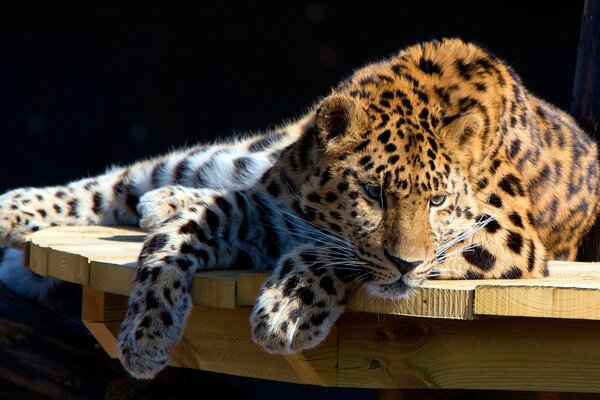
{"x":559,"y":163}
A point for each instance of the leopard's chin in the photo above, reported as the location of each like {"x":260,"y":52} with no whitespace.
{"x":399,"y":290}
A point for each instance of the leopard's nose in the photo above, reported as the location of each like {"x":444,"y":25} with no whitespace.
{"x":403,"y":266}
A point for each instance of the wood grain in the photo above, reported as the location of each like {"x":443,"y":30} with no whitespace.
{"x":452,"y":300}
{"x":496,"y":353}
{"x":216,"y":289}
{"x":101,"y":306}
{"x":542,"y":302}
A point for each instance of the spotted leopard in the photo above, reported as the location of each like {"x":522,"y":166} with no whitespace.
{"x":435,"y":163}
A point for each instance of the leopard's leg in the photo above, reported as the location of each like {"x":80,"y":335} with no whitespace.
{"x":112,"y":198}
{"x":299,"y":303}
{"x":222,"y":230}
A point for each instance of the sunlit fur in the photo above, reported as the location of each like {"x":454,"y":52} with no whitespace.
{"x":447,"y":118}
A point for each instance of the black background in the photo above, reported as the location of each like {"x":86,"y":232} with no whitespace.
{"x":85,"y":86}
{"x":92,"y":85}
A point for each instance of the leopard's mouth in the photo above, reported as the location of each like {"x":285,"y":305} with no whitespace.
{"x":398,"y":289}
{"x":392,"y":284}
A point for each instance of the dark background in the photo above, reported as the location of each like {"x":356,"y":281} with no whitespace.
{"x":86,"y":86}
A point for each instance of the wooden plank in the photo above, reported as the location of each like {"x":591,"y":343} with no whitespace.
{"x":572,"y":291}
{"x":105,"y":333}
{"x":220,"y":341}
{"x":38,"y":259}
{"x":437,"y":299}
{"x":113,"y":255}
{"x":496,"y":353}
{"x":68,"y":266}
{"x":248,"y":284}
{"x":542,"y":302}
{"x":112,"y":277}
{"x":215,"y":289}
{"x":569,"y":269}
{"x":64,"y":252}
{"x":452,"y":300}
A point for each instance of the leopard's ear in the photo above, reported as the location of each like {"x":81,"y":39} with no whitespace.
{"x":338,"y":115}
{"x":463,"y":130}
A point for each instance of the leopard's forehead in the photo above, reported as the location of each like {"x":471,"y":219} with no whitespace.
{"x":408,"y":100}
{"x":402,"y":144}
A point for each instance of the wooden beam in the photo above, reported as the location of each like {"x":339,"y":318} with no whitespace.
{"x":215,"y":290}
{"x":113,"y":276}
{"x":495,"y":353}
{"x":38,"y":258}
{"x":437,"y":299}
{"x":101,"y":306}
{"x":544,"y":302}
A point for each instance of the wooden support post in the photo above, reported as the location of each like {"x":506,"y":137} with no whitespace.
{"x":585,"y":106}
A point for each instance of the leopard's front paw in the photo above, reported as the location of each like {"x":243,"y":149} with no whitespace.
{"x":157,"y":205}
{"x":158,"y":308}
{"x":141,"y":351}
{"x":295,"y":311}
{"x":148,"y":334}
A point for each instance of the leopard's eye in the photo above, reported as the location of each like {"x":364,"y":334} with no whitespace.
{"x":437,"y":201}
{"x":373,"y":191}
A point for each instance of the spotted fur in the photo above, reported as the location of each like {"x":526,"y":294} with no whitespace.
{"x":434,"y":163}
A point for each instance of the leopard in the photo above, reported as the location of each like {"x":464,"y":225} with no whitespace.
{"x":433,"y":163}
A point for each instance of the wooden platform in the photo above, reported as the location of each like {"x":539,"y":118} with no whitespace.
{"x":541,"y":335}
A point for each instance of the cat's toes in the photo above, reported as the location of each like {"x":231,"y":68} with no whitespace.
{"x":156,"y":206}
{"x":286,"y":321}
{"x":143,"y":352}
{"x":152,"y":214}
{"x":141,"y":359}
{"x":153,"y":324}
